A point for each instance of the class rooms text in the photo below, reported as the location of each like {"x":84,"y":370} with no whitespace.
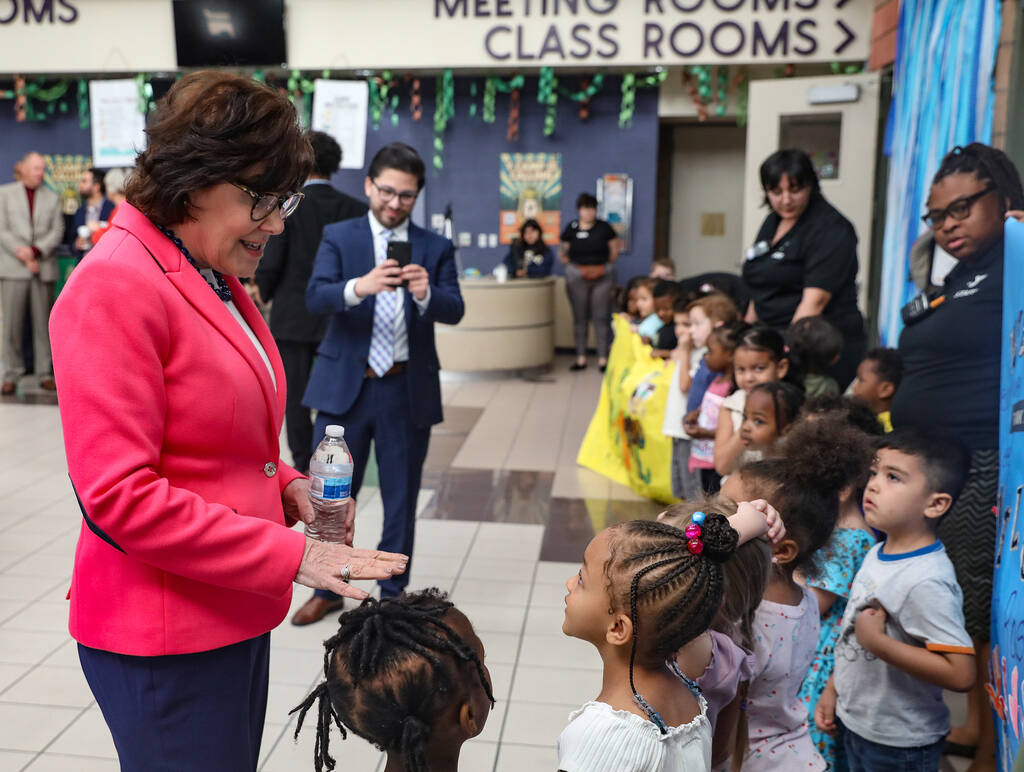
{"x":754,"y":30}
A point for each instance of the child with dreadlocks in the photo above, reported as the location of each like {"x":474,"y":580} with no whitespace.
{"x":407,"y":674}
{"x":645,"y":590}
{"x":720,"y":660}
{"x":803,"y":482}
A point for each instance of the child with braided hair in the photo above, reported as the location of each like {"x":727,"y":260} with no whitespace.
{"x":407,"y":674}
{"x":721,"y":659}
{"x":803,"y":482}
{"x":645,"y":591}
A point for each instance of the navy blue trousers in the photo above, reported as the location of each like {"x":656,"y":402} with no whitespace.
{"x":202,"y":712}
{"x":382,"y":413}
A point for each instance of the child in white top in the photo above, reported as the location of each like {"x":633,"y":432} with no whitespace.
{"x":645,"y":590}
{"x":760,"y":357}
{"x":686,"y":359}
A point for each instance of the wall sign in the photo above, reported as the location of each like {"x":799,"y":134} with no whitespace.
{"x":83,"y":36}
{"x":340,"y":108}
{"x":531,"y":189}
{"x":634,"y":33}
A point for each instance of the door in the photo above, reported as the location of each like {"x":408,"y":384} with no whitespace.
{"x":835,"y":119}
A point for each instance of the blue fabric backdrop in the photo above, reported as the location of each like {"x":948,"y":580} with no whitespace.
{"x":942,"y":97}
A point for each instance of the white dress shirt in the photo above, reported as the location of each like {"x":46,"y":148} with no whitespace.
{"x":399,"y":233}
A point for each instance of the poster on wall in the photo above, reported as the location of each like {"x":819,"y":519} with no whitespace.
{"x":62,"y":175}
{"x":118,"y":128}
{"x":340,"y":108}
{"x":615,"y":205}
{"x":531,"y":189}
{"x":1006,"y":672}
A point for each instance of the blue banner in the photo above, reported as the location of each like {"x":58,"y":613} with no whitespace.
{"x":1006,"y":674}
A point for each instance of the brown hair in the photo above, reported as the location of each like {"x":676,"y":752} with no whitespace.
{"x":718,"y":306}
{"x":214,"y":127}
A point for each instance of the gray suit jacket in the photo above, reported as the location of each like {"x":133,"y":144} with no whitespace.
{"x":44,"y":231}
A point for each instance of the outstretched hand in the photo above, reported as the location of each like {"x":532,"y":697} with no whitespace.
{"x":322,"y":565}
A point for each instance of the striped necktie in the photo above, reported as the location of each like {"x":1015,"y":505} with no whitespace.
{"x":382,"y":341}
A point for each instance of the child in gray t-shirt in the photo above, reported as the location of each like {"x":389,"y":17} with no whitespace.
{"x":903,"y":639}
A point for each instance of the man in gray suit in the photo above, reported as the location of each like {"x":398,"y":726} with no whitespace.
{"x":31,"y":227}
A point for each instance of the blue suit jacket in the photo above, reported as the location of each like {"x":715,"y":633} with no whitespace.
{"x":346,"y":252}
{"x":79,"y":220}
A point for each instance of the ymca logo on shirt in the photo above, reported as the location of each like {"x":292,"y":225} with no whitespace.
{"x":971,"y":286}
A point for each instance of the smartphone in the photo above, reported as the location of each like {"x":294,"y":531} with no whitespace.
{"x":400,"y":252}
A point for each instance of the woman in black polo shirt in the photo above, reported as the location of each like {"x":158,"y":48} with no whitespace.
{"x":589,"y":247}
{"x":804,"y":260}
{"x":951,"y":373}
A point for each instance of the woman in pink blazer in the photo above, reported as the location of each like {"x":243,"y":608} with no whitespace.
{"x":171,"y":395}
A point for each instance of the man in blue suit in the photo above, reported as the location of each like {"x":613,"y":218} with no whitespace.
{"x":95,"y":208}
{"x":376,"y":371}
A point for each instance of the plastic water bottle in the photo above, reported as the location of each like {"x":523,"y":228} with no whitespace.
{"x":330,"y":485}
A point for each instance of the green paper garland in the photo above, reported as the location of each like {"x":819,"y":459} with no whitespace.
{"x":444,"y":110}
{"x":84,"y":118}
{"x":547,"y":95}
{"x":145,"y":87}
{"x":630,"y":83}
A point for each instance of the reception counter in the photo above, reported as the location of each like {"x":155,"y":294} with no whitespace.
{"x":507,"y":326}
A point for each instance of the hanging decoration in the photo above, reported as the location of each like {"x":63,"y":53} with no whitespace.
{"x":300,"y":91}
{"x":472,"y":99}
{"x":741,"y":82}
{"x":415,"y":100}
{"x":444,"y":110}
{"x":83,"y":103}
{"x":630,"y":83}
{"x":628,"y":100}
{"x":20,"y":100}
{"x":588,"y":88}
{"x":547,"y":95}
{"x":722,"y":92}
{"x":512,"y":134}
{"x":145,"y":86}
{"x":490,"y":93}
{"x":383,"y":95}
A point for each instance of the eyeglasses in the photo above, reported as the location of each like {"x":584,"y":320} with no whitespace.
{"x":386,"y":194}
{"x":263,"y":204}
{"x":958,"y":210}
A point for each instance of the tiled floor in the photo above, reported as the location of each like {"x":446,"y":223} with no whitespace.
{"x":505,"y":515}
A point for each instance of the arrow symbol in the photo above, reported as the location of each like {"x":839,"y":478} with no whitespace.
{"x":841,"y":3}
{"x":850,"y":36}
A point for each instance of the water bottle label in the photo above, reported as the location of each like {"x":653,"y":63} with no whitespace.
{"x":330,"y":488}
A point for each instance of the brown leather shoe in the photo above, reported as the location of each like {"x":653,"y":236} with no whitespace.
{"x":8,"y":388}
{"x":315,"y":609}
{"x":48,"y":383}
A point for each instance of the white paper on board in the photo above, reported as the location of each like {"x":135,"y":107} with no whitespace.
{"x":340,"y":108}
{"x":118,"y":128}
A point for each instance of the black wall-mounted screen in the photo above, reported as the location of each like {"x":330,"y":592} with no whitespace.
{"x":212,"y":33}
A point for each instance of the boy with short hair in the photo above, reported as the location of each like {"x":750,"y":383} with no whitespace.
{"x":878,"y":377}
{"x":902,"y":639}
{"x":663,"y":268}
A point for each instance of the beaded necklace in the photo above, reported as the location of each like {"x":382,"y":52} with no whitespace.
{"x":221,"y":287}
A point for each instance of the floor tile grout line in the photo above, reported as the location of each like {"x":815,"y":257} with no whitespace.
{"x":515,"y":665}
{"x":32,"y":669}
{"x":61,"y":733}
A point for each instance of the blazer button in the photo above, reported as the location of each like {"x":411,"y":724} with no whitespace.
{"x":270,"y":469}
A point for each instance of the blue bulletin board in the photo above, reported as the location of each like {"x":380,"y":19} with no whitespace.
{"x":1006,"y":676}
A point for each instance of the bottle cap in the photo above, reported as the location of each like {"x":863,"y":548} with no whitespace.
{"x":336,"y":431}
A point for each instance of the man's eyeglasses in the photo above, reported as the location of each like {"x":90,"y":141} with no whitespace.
{"x":958,"y":210}
{"x":263,"y":204}
{"x":406,"y":197}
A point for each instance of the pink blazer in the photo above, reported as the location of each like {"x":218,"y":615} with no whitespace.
{"x":171,"y":426}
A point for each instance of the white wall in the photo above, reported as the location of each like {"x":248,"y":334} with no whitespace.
{"x":707,"y":177}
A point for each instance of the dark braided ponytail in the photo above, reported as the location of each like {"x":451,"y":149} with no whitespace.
{"x":986,"y":163}
{"x":389,"y":671}
{"x":672,"y":593}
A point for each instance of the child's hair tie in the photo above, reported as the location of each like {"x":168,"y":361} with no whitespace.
{"x":693,"y":531}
